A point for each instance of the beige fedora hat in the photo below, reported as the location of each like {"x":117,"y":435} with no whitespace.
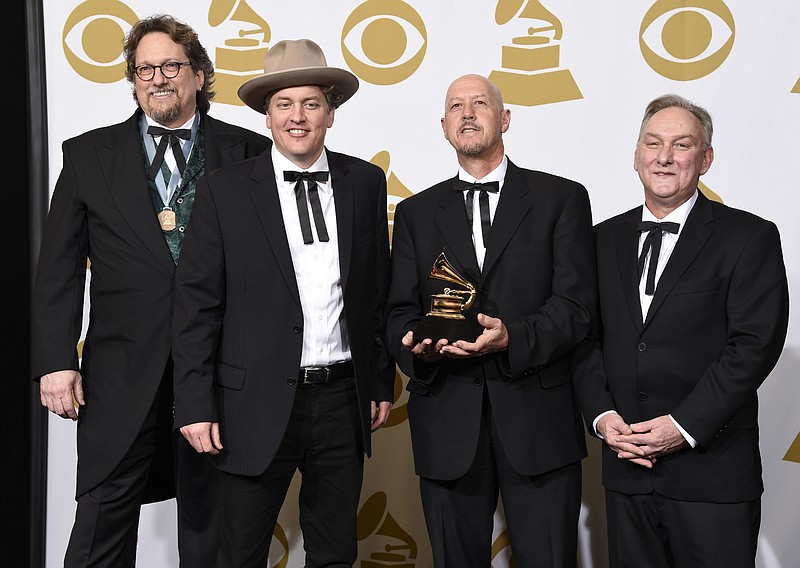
{"x":292,"y":63}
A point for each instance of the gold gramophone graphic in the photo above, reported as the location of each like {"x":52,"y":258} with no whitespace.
{"x":396,"y":191}
{"x":242,"y":57}
{"x":531,"y":74}
{"x":374,"y":519}
{"x":796,"y":88}
{"x":446,"y":319}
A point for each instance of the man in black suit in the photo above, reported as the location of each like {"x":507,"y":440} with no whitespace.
{"x":123,"y":201}
{"x":497,"y":412}
{"x":279,"y":319}
{"x":694,"y":311}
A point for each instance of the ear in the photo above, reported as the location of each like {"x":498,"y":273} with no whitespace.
{"x":505,"y":119}
{"x":708,"y":157}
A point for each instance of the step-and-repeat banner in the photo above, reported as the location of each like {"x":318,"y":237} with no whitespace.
{"x":576,"y":75}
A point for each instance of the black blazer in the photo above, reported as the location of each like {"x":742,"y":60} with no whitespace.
{"x":238,"y":320}
{"x":713,"y":333}
{"x":101,"y":210}
{"x":538,"y":277}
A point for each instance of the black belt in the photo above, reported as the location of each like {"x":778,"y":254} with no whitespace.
{"x":326,"y":374}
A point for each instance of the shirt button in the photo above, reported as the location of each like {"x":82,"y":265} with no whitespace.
{"x":181,"y":228}
{"x":642,"y":395}
{"x":641,"y":347}
{"x":180,"y":200}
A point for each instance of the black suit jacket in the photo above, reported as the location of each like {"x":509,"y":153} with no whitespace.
{"x":101,"y":210}
{"x":538,"y":278}
{"x":713,"y":333}
{"x":238,"y":319}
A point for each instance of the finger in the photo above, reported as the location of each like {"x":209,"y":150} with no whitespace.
{"x":215,"y":436}
{"x":78,"y":393}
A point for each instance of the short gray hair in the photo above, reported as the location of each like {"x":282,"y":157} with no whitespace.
{"x":677,"y":101}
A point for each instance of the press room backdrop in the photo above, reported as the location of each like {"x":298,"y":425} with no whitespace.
{"x":576,"y":75}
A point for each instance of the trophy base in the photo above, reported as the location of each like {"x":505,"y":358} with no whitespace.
{"x":436,"y":328}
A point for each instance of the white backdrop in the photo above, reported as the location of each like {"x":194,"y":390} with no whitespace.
{"x":575,"y":112}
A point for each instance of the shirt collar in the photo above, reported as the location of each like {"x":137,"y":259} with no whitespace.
{"x":281,"y":164}
{"x":679,"y":215}
{"x":498,"y":174}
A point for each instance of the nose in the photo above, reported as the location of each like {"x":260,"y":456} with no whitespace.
{"x":158,"y":77}
{"x":664,"y":156}
{"x":296,"y":113}
{"x":468,"y":111}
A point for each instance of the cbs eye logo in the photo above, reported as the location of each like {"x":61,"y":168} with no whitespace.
{"x":93,"y":37}
{"x":686,"y":39}
{"x":384,"y":41}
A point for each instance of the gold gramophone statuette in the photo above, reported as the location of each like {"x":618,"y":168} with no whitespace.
{"x":446,"y":320}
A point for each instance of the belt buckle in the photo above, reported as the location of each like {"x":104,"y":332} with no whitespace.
{"x":308,"y":371}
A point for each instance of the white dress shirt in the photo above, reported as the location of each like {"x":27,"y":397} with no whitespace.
{"x":316,"y":269}
{"x":498,"y":175}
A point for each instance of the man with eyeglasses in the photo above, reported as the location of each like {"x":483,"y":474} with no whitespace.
{"x":122,"y":201}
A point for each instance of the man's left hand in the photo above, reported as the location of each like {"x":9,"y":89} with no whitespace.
{"x":494,"y":338}
{"x":657,"y":437}
{"x":380,"y":413}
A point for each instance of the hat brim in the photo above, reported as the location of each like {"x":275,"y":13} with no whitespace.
{"x":255,"y":91}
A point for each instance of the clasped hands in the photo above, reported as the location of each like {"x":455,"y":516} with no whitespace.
{"x":493,"y":338}
{"x":641,"y":443}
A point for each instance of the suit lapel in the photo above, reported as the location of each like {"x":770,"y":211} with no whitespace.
{"x":268,"y":208}
{"x":122,"y":162}
{"x":691,"y":240}
{"x":343,"y":196}
{"x":627,"y":245}
{"x":513,"y":205}
{"x":451,"y":219}
{"x":221,"y":148}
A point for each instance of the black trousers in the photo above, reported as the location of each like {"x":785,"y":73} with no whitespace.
{"x":654,"y":531}
{"x":541,"y":511}
{"x":104,"y":534}
{"x":323,"y":441}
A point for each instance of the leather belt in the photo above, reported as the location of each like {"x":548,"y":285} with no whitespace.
{"x":326,"y":374}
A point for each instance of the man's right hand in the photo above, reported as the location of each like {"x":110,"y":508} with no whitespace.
{"x":60,"y":390}
{"x":203,"y":436}
{"x":426,"y":350}
{"x":611,"y":427}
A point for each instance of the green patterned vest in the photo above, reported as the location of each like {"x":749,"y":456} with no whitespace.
{"x":183,"y":198}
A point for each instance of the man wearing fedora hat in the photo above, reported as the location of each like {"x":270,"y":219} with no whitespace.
{"x":279,"y":357}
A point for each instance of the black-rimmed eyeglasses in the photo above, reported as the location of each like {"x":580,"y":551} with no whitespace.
{"x":169,"y":69}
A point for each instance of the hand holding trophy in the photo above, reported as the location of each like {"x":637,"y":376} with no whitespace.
{"x":446,"y":319}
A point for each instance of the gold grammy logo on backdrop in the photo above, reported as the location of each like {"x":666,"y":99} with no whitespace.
{"x":684,"y":40}
{"x":531,"y":73}
{"x":705,"y":190}
{"x":793,"y":454}
{"x":397,"y":192}
{"x":280,"y":535}
{"x":242,"y":57}
{"x":392,"y":546}
{"x":796,"y":88}
{"x":93,"y":36}
{"x":501,"y":549}
{"x":384,"y":41}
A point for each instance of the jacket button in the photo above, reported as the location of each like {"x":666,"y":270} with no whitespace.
{"x":291,"y":381}
{"x":297,"y":329}
{"x":642,"y":395}
{"x":641,"y":347}
{"x":478,"y":382}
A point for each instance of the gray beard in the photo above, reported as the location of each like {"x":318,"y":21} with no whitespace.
{"x":165,"y":116}
{"x":472,"y":149}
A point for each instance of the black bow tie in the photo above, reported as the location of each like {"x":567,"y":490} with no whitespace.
{"x":302,"y":207}
{"x":483,"y":203}
{"x":490,"y":186}
{"x":168,"y":137}
{"x":653,"y":241}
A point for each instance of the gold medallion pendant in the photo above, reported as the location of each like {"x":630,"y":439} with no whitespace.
{"x":167,"y":219}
